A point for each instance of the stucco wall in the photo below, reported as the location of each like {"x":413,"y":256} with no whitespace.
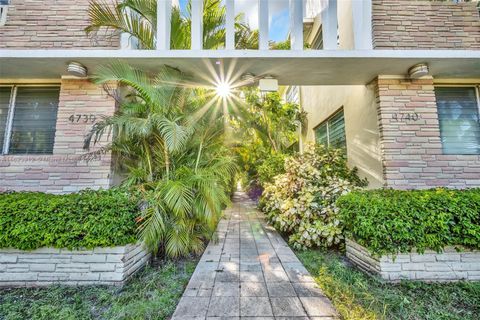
{"x":361,"y":128}
{"x":51,"y":24}
{"x":406,"y":24}
{"x":64,"y":170}
{"x":411,"y":149}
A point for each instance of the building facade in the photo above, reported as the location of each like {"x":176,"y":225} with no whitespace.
{"x":401,"y":131}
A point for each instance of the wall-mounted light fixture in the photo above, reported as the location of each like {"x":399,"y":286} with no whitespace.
{"x":4,"y":4}
{"x":268,"y":84}
{"x":418,"y":71}
{"x":77,"y":69}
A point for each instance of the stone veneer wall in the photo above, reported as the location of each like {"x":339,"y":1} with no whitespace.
{"x":64,"y":171}
{"x":430,"y":266}
{"x":407,"y":24}
{"x":411,"y":149}
{"x":51,"y":24}
{"x":46,"y":266}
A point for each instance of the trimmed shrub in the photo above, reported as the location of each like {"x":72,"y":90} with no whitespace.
{"x":395,"y":221}
{"x":301,"y":202}
{"x":30,"y":220}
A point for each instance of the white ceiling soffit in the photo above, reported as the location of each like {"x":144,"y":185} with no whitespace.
{"x":310,"y":67}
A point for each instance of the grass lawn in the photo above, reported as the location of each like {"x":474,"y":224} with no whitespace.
{"x":360,"y":296}
{"x":152,"y":294}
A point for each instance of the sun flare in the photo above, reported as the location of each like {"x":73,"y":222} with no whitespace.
{"x":223,"y":89}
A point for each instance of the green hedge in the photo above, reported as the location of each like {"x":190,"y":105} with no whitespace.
{"x":394,"y":221}
{"x":30,"y":220}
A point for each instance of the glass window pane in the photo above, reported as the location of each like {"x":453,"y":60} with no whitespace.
{"x":337,"y":131}
{"x":4,"y":104}
{"x":33,"y":129}
{"x":321,"y":134}
{"x":459,"y":120}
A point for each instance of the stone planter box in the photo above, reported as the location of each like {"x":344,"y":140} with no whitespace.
{"x":450,"y":265}
{"x":46,"y":266}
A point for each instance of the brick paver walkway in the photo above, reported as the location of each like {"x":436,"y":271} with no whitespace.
{"x":251,"y":273}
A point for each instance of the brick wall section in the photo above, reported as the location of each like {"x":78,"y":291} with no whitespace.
{"x":449,"y":265}
{"x":406,"y":24}
{"x":411,"y":150}
{"x":51,"y":24}
{"x":46,"y":266}
{"x":65,"y":170}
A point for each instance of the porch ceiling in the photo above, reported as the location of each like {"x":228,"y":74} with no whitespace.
{"x":322,"y":67}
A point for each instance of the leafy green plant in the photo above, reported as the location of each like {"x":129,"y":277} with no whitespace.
{"x":265,"y":128}
{"x":395,"y":221}
{"x":272,"y":166}
{"x":173,"y":155}
{"x":138,"y":19}
{"x":301,"y":202}
{"x":31,"y":220}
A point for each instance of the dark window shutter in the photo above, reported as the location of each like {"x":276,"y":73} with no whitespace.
{"x":34,"y":120}
{"x":459,"y":120}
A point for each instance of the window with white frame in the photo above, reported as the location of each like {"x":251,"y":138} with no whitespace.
{"x":28,"y":115}
{"x":331,"y":132}
{"x":459,"y":119}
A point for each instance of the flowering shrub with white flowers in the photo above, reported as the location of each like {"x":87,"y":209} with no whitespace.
{"x":301,"y":202}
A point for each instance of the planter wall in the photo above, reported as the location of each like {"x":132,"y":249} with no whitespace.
{"x":45,"y":266}
{"x":431,"y":266}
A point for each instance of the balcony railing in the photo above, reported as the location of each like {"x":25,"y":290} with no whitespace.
{"x":326,"y":11}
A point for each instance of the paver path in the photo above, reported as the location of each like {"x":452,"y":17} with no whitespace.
{"x":251,"y":273}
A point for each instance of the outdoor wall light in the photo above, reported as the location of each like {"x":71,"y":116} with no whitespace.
{"x":248,"y":78}
{"x":268,"y":84}
{"x":3,"y":11}
{"x":418,"y":71}
{"x":77,"y":69}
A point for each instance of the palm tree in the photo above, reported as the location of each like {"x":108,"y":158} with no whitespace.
{"x":177,"y":163}
{"x":138,"y":18}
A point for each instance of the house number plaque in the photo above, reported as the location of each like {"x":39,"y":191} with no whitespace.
{"x":82,"y":118}
{"x":406,"y":117}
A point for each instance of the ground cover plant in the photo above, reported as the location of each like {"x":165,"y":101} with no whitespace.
{"x":301,"y":202}
{"x":30,"y":220}
{"x":151,"y":294}
{"x":394,"y":221}
{"x":359,"y":296}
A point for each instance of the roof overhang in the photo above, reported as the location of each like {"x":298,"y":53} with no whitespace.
{"x":309,"y":67}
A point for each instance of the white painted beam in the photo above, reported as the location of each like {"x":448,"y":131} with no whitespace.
{"x":164,"y":14}
{"x":263,"y":24}
{"x":362,"y":24}
{"x":230,"y":25}
{"x":197,"y":24}
{"x":296,"y":24}
{"x":330,"y":25}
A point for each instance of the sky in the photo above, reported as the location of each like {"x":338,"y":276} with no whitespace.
{"x":278,"y":12}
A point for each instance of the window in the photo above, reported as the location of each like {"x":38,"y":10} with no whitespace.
{"x":331,"y":132}
{"x":28,"y":115}
{"x":458,"y":116}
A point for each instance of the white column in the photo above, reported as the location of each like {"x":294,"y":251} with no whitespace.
{"x":263,"y":24}
{"x":296,"y":24}
{"x":230,"y":25}
{"x":362,"y":24}
{"x":197,"y":24}
{"x":329,"y":26}
{"x":164,"y":15}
